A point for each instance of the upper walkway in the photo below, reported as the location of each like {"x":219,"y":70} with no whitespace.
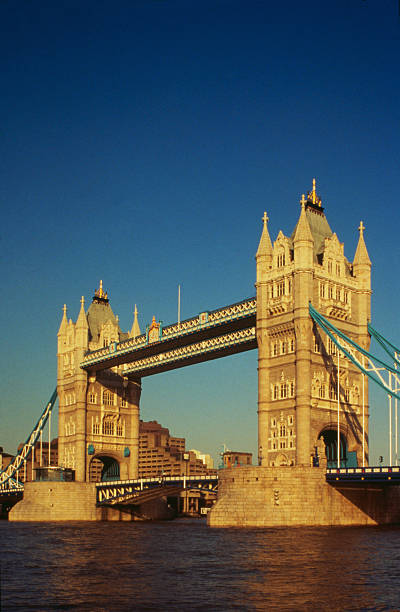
{"x":221,"y":332}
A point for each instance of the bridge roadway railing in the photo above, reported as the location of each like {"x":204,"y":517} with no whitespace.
{"x":232,"y":317}
{"x":106,"y":492}
{"x":378,"y":474}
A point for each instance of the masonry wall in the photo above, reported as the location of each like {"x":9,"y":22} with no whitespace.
{"x":298,"y":496}
{"x":76,"y":501}
{"x":57,"y":501}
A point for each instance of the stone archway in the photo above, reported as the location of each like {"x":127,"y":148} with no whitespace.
{"x":103,"y":468}
{"x":329,"y":437}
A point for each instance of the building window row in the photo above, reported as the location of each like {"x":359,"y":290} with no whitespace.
{"x":333,"y":292}
{"x":69,"y":399}
{"x":280,"y":288}
{"x":282,"y":347}
{"x":107,"y":427}
{"x":283,"y":390}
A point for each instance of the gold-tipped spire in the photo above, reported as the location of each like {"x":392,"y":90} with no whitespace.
{"x":303,"y":201}
{"x":100,"y":293}
{"x":312,"y":196}
{"x":361,"y":228}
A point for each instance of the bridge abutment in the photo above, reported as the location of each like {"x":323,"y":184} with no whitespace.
{"x":257,"y":496}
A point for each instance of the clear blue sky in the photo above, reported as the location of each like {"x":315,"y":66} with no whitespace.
{"x":141,"y":142}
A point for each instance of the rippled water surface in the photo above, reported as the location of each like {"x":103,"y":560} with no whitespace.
{"x":184,"y":565}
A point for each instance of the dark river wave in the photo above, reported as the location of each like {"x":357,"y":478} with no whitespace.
{"x":184,"y":565}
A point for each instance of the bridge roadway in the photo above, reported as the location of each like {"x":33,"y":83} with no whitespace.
{"x":131,"y":491}
{"x":207,"y":336}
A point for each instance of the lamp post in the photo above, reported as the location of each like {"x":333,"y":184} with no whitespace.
{"x":186,"y":458}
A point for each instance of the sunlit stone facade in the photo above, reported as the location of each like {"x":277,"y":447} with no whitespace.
{"x":298,"y":365}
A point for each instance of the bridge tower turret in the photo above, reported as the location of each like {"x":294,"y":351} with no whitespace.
{"x":297,"y":367}
{"x":98,"y":413}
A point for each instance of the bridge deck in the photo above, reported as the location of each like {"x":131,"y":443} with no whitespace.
{"x":372,"y":474}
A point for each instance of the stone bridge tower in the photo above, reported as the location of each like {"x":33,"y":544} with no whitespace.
{"x":297,"y":364}
{"x":98,"y":425}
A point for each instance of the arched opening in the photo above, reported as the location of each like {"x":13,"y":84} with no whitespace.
{"x":103,"y":469}
{"x":329,"y":437}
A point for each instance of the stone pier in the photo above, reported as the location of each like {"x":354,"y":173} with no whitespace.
{"x":299,"y":496}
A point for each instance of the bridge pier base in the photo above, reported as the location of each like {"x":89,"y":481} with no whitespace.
{"x":299,"y":496}
{"x":76,"y":501}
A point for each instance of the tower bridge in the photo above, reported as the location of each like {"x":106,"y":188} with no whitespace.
{"x":310,"y":322}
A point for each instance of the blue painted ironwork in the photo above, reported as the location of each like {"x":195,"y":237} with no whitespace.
{"x":7,"y":476}
{"x":381,"y":474}
{"x":347,"y":346}
{"x":109,"y":492}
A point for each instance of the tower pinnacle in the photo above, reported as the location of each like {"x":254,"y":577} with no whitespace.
{"x":312,"y":196}
{"x":265,"y":245}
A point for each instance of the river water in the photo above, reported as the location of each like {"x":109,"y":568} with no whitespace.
{"x":185,"y":565}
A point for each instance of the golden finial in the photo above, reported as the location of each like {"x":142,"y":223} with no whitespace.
{"x":65,"y":309}
{"x":303,"y":201}
{"x":100,"y":293}
{"x":312,"y":195}
{"x":361,"y":228}
{"x":82,"y":301}
{"x":135,"y":312}
{"x":265,"y":219}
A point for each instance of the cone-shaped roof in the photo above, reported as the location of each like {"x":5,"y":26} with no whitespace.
{"x":64,"y":323}
{"x":81,"y":321}
{"x":135,"y":331}
{"x":361,"y":256}
{"x":99,"y":312}
{"x":302,"y":230}
{"x":265,"y":245}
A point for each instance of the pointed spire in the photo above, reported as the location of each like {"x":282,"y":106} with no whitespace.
{"x":64,"y":322}
{"x":265,"y":244}
{"x":135,"y":331}
{"x":303,"y":231}
{"x":361,"y":256}
{"x":81,"y":321}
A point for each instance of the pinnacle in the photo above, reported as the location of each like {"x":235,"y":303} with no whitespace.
{"x":265,"y":245}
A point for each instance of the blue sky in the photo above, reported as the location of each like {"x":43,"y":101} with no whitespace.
{"x":142,"y":141}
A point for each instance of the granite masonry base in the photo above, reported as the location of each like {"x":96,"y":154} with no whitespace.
{"x":298,"y":496}
{"x":76,"y":501}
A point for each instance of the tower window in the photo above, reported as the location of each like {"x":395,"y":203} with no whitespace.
{"x":108,"y":398}
{"x":108,"y":427}
{"x":281,"y":260}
